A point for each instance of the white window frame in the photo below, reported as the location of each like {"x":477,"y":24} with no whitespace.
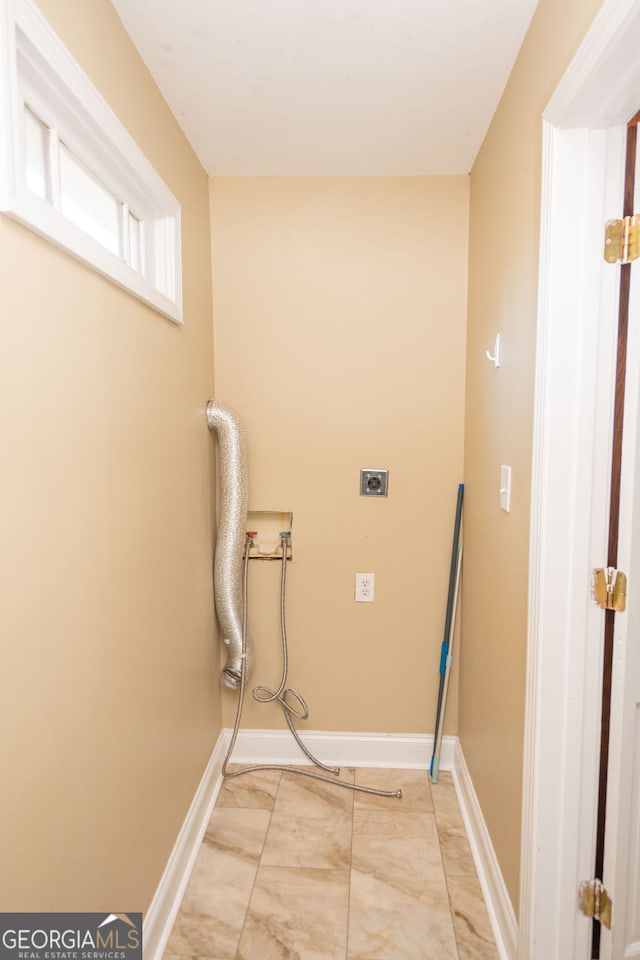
{"x":37,"y":71}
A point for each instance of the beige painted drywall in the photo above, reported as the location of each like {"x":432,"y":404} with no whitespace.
{"x":109,"y":701}
{"x":339,"y":324}
{"x":503,"y":278}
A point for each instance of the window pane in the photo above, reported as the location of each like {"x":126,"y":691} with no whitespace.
{"x":87,"y":203}
{"x":36,"y":143}
{"x":135,"y":243}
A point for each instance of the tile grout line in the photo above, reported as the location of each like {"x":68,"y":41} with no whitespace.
{"x":255,"y":876}
{"x":353,"y":811}
{"x":458,"y":874}
{"x":444,"y":870}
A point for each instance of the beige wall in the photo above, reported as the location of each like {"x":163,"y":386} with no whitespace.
{"x":339,"y":319}
{"x":340,"y":340}
{"x":503,"y":264}
{"x":109,"y":700}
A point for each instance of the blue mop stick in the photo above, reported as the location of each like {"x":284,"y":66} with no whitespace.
{"x":437,"y":743}
{"x":444,"y":651}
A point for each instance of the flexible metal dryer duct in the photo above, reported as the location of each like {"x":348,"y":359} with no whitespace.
{"x":228,"y":565}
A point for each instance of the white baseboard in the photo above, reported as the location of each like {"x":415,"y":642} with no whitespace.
{"x":501,"y":914}
{"x":160,"y":917}
{"x":342,"y":749}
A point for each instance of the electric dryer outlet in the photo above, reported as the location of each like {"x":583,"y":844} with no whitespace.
{"x":365,"y":587}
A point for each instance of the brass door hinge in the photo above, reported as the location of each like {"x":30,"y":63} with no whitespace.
{"x":622,"y":239}
{"x":594,"y":901}
{"x":610,"y":589}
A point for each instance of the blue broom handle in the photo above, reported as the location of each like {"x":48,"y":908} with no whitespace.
{"x":454,"y":562}
{"x":444,"y":651}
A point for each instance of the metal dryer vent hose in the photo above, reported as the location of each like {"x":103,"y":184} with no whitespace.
{"x":228,"y":563}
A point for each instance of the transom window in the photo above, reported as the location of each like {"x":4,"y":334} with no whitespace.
{"x":71,"y":172}
{"x":57,"y":176}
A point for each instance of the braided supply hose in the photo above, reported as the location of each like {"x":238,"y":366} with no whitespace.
{"x":265,"y":695}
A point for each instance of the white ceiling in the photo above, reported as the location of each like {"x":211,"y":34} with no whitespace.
{"x":330,"y":87}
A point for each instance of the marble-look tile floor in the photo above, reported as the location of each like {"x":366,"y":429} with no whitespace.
{"x":295,"y":869}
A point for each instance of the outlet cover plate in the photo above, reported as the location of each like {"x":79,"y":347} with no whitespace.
{"x":365,"y":591}
{"x":373,"y":483}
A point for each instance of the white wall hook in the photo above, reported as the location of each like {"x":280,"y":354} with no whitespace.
{"x":495,"y":358}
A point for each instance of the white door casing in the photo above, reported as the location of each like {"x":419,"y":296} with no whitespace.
{"x":583,"y":164}
{"x":571,"y":483}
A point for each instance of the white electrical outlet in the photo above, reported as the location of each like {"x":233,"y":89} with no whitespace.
{"x":365,"y":587}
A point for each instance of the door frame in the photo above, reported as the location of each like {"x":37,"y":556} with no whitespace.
{"x":622,"y":824}
{"x":623,"y":782}
{"x":584,"y":129}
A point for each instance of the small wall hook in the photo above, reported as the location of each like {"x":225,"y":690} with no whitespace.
{"x":495,"y":358}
